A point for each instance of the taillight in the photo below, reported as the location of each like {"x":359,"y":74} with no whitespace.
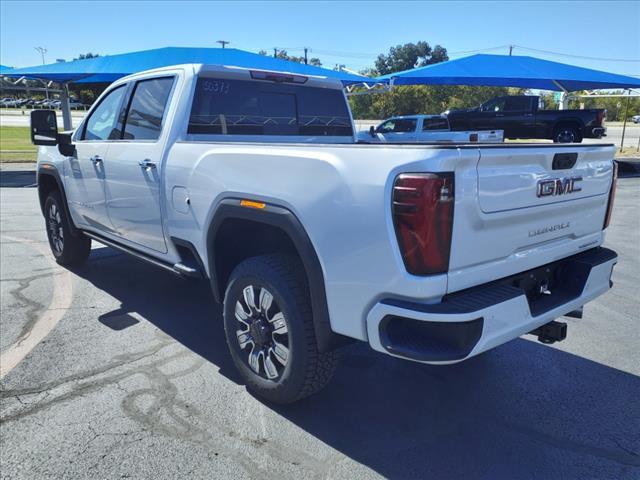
{"x":473,"y":137}
{"x":601,"y":117}
{"x":423,"y":220}
{"x":612,"y":195}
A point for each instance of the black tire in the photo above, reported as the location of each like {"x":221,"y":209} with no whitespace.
{"x":305,"y":370}
{"x":68,"y":249}
{"x":567,"y":134}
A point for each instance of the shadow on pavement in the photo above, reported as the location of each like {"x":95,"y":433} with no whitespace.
{"x":523,"y":410}
{"x":17,"y":178}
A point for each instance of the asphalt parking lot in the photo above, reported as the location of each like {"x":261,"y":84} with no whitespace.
{"x":126,"y":375}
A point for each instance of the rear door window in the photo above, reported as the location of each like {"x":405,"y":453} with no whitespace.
{"x":146,"y":109}
{"x":242,"y":107}
{"x":517,"y":104}
{"x":435,"y":124}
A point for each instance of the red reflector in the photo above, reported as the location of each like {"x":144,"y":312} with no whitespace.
{"x":423,"y":220}
{"x":612,"y":195}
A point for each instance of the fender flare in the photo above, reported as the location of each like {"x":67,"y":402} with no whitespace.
{"x":51,"y":171}
{"x":284,"y":219}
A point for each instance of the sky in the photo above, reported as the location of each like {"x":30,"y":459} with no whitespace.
{"x":346,"y":33}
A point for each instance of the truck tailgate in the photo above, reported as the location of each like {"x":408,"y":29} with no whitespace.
{"x":530,"y":206}
{"x":509,"y":183}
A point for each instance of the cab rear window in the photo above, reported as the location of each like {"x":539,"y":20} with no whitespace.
{"x":241,"y":107}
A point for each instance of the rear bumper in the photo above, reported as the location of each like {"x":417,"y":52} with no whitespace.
{"x":598,"y":132}
{"x":470,"y":322}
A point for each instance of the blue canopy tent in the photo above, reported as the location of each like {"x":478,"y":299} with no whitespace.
{"x":511,"y":71}
{"x":110,"y":68}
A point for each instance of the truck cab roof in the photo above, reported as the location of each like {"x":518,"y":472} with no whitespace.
{"x":415,"y":116}
{"x":240,"y":73}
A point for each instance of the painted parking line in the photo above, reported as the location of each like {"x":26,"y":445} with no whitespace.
{"x":48,"y":319}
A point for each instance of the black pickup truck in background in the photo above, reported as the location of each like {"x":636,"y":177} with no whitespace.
{"x":520,"y":117}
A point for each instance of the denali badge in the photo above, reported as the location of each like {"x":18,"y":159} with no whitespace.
{"x":558,"y":186}
{"x":550,"y":228}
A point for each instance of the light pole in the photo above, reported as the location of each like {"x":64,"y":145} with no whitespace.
{"x":42,"y":51}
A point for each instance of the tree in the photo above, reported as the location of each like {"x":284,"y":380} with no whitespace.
{"x":85,"y":56}
{"x":615,"y":106}
{"x":87,"y":93}
{"x":283,"y":55}
{"x":408,"y":56}
{"x":426,"y":99}
{"x":549,"y":101}
{"x":408,"y":100}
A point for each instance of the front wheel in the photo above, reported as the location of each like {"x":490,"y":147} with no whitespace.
{"x":269,"y":330}
{"x":68,"y":249}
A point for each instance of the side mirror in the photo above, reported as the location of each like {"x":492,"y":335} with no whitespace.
{"x":44,"y":131}
{"x":65,"y":147}
{"x":372,"y":131}
{"x":44,"y":127}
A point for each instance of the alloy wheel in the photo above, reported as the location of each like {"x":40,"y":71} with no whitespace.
{"x":566,"y":136}
{"x":263,"y":333}
{"x":56,"y":233}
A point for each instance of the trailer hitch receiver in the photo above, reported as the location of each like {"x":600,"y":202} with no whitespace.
{"x":551,"y":332}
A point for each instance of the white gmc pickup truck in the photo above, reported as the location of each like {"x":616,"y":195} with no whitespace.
{"x":254,"y":181}
{"x":425,"y":129}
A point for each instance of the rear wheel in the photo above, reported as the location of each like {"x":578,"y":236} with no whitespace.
{"x":269,"y":330}
{"x":68,"y":249}
{"x":567,"y":134}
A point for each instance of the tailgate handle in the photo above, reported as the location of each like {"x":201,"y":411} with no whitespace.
{"x":564,"y":161}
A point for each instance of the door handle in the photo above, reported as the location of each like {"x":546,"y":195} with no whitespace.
{"x":147,"y":164}
{"x":96,"y":159}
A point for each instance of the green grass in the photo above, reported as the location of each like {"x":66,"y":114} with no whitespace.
{"x":15,"y":145}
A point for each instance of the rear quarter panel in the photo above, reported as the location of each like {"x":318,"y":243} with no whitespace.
{"x":340,"y":194}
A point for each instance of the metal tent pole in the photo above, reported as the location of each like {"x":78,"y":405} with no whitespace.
{"x":66,"y":109}
{"x":564,"y":97}
{"x":624,"y":123}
